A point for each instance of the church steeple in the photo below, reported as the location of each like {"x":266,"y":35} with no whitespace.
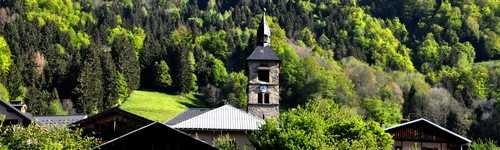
{"x":263,"y":76}
{"x":263,"y":33}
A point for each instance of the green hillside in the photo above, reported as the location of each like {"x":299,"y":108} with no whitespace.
{"x":159,"y":106}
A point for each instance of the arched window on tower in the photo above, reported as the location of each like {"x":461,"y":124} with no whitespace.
{"x":263,"y":98}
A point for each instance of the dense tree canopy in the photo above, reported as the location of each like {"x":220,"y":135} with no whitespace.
{"x":321,"y":124}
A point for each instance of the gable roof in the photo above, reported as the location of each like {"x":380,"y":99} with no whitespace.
{"x":188,"y":114}
{"x":110,"y":124}
{"x":155,"y":136}
{"x":263,"y":53}
{"x":424,"y":122}
{"x":58,"y":120}
{"x":226,"y":118}
{"x":111,"y":111}
{"x":17,"y":112}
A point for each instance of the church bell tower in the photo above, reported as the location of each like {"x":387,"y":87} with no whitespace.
{"x":263,"y":77}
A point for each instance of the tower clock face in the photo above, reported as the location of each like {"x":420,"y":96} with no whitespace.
{"x":263,"y":89}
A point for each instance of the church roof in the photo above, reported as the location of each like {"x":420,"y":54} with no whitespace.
{"x":263,"y":27}
{"x":263,"y":53}
{"x":225,"y":118}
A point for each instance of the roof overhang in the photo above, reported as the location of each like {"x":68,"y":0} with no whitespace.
{"x":430,"y":123}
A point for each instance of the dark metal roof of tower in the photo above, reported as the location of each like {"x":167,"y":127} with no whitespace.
{"x":263,"y":51}
{"x":264,"y":32}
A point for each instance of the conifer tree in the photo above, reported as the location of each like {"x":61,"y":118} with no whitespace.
{"x":126,"y":61}
{"x":109,"y":79}
{"x":162,"y":75}
{"x":89,"y":87}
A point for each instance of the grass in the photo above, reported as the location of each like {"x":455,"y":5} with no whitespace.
{"x":159,"y":106}
{"x":489,"y":63}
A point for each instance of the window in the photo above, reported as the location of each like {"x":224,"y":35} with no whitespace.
{"x":259,"y":98}
{"x":263,"y":98}
{"x":266,"y":98}
{"x":263,"y":72}
{"x":263,"y":75}
{"x":11,"y":121}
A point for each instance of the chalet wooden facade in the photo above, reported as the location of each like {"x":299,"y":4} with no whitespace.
{"x":111,"y":124}
{"x":425,"y":135}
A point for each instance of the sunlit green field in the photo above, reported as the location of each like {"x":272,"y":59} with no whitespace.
{"x":159,"y":106}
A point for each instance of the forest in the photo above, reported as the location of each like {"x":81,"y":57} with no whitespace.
{"x":386,"y":60}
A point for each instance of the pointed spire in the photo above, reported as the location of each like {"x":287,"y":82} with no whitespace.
{"x":264,"y":32}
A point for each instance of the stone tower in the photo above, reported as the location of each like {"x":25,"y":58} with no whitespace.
{"x":263,"y":77}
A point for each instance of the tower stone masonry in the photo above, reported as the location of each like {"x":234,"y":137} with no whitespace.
{"x":263,"y":76}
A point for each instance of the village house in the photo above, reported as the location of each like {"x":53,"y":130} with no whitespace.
{"x":425,"y":135}
{"x":15,"y":112}
{"x":111,"y":124}
{"x":155,"y":136}
{"x":12,"y":115}
{"x":225,"y":120}
{"x":119,"y":129}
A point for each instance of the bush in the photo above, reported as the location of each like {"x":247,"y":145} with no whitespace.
{"x":56,"y":108}
{"x":225,"y":142}
{"x":321,"y":124}
{"x":235,"y":89}
{"x":482,"y":144}
{"x":36,"y":137}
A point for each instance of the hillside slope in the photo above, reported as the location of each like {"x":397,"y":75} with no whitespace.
{"x":158,"y":106}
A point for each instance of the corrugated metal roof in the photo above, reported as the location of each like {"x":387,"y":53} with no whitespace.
{"x":225,"y":117}
{"x":188,"y":114}
{"x":59,"y":120}
{"x":428,"y":122}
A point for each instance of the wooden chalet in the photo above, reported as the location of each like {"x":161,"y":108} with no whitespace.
{"x":425,"y":135}
{"x":13,"y":115}
{"x":156,"y":136}
{"x":111,"y":124}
